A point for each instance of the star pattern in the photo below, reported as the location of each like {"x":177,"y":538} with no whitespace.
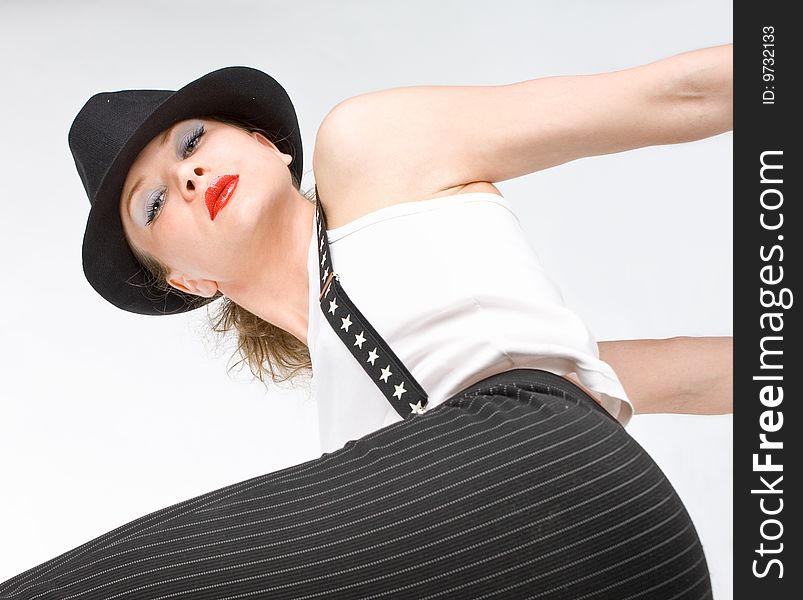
{"x":333,"y":305}
{"x":359,"y":340}
{"x":417,"y":408}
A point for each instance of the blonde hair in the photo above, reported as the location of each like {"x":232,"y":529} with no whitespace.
{"x":267,"y":350}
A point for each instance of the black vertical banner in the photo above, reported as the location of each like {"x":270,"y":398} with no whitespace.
{"x":768,"y":425}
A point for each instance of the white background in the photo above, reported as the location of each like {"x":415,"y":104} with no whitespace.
{"x":106,"y":416}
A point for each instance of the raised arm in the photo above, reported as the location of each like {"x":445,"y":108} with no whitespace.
{"x":439,"y":137}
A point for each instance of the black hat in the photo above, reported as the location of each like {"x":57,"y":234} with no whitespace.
{"x":112,"y":129}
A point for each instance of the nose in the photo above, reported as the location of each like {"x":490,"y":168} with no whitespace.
{"x":190,"y":179}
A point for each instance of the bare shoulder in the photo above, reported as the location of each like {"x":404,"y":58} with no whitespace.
{"x":355,"y":171}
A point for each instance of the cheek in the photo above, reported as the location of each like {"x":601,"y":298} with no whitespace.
{"x":170,"y":243}
{"x":184,"y":248}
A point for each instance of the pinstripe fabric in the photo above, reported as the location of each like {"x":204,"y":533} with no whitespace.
{"x":519,"y":487}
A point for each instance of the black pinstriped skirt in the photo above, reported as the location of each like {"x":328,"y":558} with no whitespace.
{"x":520,"y":486}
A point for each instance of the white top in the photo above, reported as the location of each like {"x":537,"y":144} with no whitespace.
{"x":456,"y":290}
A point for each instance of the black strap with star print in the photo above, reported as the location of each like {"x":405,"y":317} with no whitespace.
{"x":384,"y":368}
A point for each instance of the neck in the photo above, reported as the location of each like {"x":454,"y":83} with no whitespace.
{"x":278,"y":292}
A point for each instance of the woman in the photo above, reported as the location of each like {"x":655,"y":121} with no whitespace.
{"x":509,"y":474}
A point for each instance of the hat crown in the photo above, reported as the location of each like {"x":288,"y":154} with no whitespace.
{"x":103,"y":127}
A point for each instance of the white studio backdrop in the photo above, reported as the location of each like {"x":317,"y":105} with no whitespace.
{"x":106,"y":416}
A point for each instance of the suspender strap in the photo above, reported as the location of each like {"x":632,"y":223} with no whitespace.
{"x":384,"y":368}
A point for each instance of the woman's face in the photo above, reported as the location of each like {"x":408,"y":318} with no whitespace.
{"x":199,"y":198}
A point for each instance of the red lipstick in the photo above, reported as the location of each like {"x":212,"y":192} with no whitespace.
{"x":219,"y":192}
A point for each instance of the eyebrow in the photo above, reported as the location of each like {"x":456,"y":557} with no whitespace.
{"x":162,"y":141}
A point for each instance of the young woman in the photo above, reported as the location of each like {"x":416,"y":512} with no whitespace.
{"x":473,"y":428}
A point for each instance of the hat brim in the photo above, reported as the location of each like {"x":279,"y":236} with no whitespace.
{"x":241,"y":93}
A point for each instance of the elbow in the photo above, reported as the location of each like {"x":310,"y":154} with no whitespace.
{"x":703,"y":90}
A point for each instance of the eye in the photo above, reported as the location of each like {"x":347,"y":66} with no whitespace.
{"x":154,"y":205}
{"x":190,"y":141}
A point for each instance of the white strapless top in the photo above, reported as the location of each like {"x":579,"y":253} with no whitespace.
{"x":456,"y":290}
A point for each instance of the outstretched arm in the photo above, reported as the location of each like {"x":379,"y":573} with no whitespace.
{"x":439,"y":137}
{"x":691,"y":375}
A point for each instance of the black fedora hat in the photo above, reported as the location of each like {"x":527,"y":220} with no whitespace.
{"x":111,"y":130}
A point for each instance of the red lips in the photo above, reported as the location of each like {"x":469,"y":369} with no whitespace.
{"x":219,"y":192}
